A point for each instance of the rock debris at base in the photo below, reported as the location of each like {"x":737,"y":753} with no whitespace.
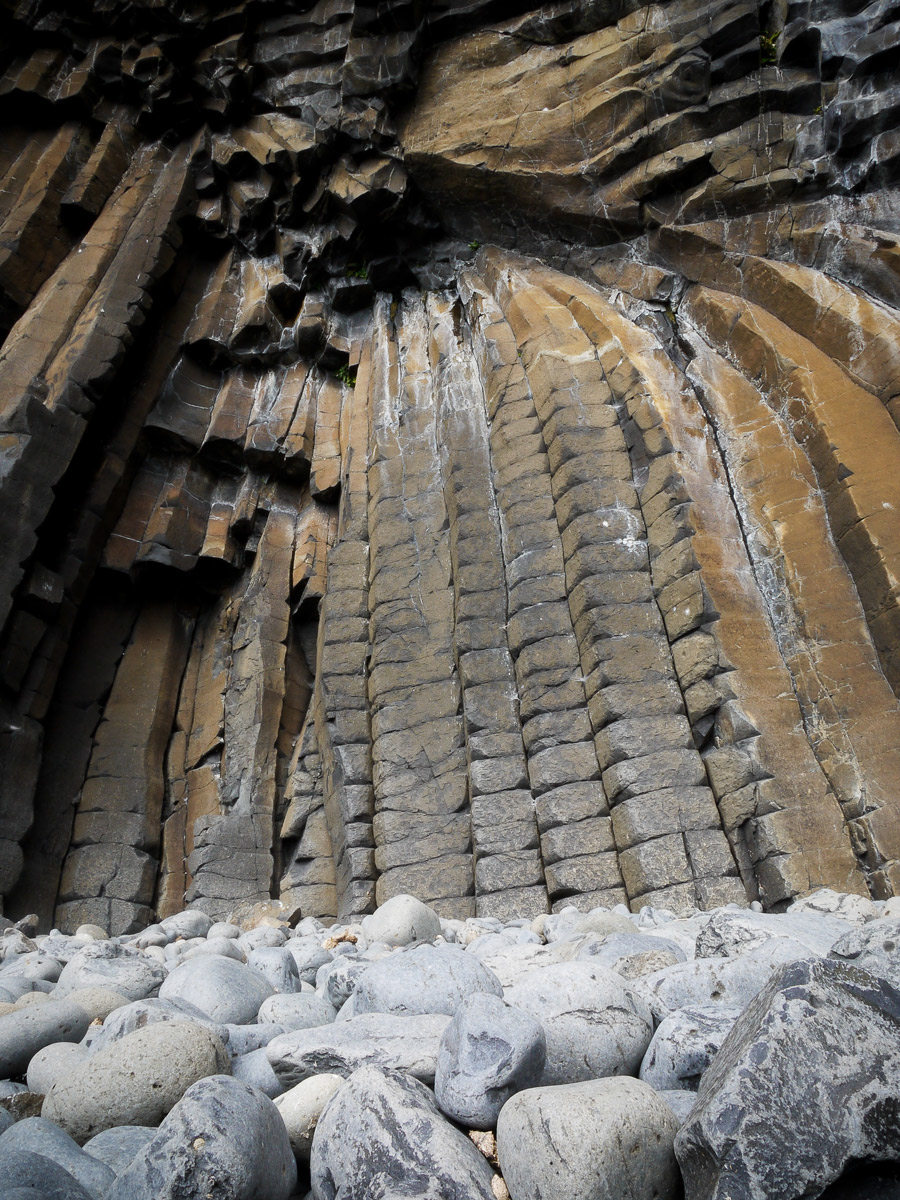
{"x":726,"y":1055}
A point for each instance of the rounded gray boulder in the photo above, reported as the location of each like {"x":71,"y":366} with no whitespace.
{"x":225,"y":990}
{"x":44,"y":1137}
{"x":603,"y":1139}
{"x":425,"y":979}
{"x":488,"y":1052}
{"x":224,"y":1138}
{"x":381,"y":1133}
{"x":595,"y":1023}
{"x":136,"y":1080}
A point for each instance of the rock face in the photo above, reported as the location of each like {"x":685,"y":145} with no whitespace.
{"x":743,"y":1137}
{"x":447,"y":450}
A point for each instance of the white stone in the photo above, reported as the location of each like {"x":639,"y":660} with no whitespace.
{"x":301,"y":1108}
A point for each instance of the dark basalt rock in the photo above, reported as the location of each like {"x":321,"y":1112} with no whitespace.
{"x":767,"y":1120}
{"x":395,"y":404}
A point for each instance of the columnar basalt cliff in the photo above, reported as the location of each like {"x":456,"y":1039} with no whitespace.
{"x":448,"y":448}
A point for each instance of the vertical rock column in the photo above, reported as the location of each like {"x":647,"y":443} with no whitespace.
{"x":577,"y":845}
{"x":340,"y":704}
{"x":710,"y":605}
{"x":421,"y":824}
{"x":509,"y":871}
{"x":667,"y":829}
{"x":109,"y":876}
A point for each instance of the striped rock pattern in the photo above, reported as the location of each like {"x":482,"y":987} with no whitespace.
{"x":452,"y":453}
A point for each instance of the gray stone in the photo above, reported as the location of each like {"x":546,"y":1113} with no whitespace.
{"x":731,"y":982}
{"x":27,"y":1030}
{"x":223,"y":929}
{"x":874,"y":948}
{"x":191,"y":922}
{"x":309,"y":954}
{"x":401,"y":920}
{"x":254,"y":1068}
{"x":142,"y":1013}
{"x":35,"y":1175}
{"x":489,"y":1051}
{"x":684,"y":1045}
{"x":117,"y":1147}
{"x":382,"y":1136}
{"x":222,"y":988}
{"x":33,"y":966}
{"x":383,"y":1039}
{"x":98,"y":1003}
{"x":224,"y":947}
{"x":225,"y":1139}
{"x":54,"y":1061}
{"x":603,"y":1139}
{"x":244,"y":1039}
{"x":732,"y":932}
{"x":301,"y":1107}
{"x":299,"y":1011}
{"x":681,"y":1103}
{"x":631,"y":954}
{"x":276,"y":965}
{"x":336,"y":980}
{"x":595,"y":1023}
{"x":805,"y":1083}
{"x":425,"y":979}
{"x":112,"y":966}
{"x":135,"y":1081}
{"x":41,"y":1136}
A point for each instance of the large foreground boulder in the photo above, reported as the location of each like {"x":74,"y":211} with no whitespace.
{"x":223,"y":1139}
{"x":382,"y":1136}
{"x":605,"y":1139}
{"x":807,"y":1082}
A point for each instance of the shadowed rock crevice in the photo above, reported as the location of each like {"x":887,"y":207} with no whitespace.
{"x":346,"y":556}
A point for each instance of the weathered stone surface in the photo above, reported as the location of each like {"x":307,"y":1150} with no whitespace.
{"x":383,"y":1127}
{"x":405,"y":493}
{"x":135,"y":1081}
{"x":222,"y":1134}
{"x":795,"y":1048}
{"x":594,"y":1023}
{"x":595,"y":1140}
{"x":488,"y":1052}
{"x":425,"y":979}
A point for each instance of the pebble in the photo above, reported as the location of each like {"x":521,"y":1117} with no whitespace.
{"x":52,"y":1063}
{"x":603,"y":1139}
{"x":41,"y":1136}
{"x":223,"y":1139}
{"x":301,"y":1107}
{"x":401,"y":920}
{"x":117,"y":1147}
{"x":383,"y":1127}
{"x":27,"y":1174}
{"x":27,"y":1030}
{"x":136,"y":1080}
{"x":382,"y":1043}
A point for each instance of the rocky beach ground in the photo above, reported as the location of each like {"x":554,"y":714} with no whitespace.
{"x":604,"y":1055}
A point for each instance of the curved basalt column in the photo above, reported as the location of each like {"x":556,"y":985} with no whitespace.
{"x":450,"y":451}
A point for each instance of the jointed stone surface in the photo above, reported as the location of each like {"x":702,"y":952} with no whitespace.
{"x":446,"y":450}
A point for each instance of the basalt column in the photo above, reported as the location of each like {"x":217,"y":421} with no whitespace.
{"x":449,"y":449}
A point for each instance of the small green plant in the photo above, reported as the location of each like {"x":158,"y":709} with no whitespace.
{"x":357,"y":270}
{"x":474,"y":245}
{"x":768,"y":48}
{"x":347,"y":375}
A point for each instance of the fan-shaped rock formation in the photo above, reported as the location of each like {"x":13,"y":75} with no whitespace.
{"x":447,"y":449}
